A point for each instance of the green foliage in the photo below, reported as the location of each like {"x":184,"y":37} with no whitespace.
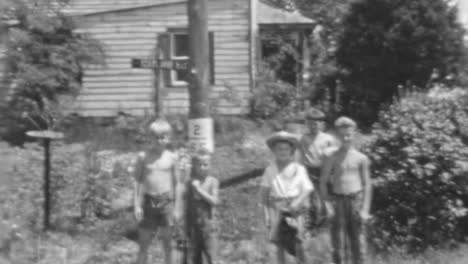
{"x":386,"y":43}
{"x":421,"y":195}
{"x":44,"y":60}
{"x":273,"y":98}
{"x":319,"y":81}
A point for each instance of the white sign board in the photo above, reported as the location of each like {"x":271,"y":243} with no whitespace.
{"x":201,"y":133}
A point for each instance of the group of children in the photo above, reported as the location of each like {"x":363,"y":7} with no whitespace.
{"x":173,"y":193}
{"x":311,"y":172}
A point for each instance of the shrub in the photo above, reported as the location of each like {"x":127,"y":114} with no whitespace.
{"x":272,"y":97}
{"x":421,"y":194}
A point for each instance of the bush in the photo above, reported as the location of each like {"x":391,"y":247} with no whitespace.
{"x":421,"y":194}
{"x":271,"y":97}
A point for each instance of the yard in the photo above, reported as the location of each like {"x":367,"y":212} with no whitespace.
{"x":95,"y":225}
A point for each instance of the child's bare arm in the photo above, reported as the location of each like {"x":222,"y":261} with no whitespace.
{"x":175,"y":179}
{"x":265,"y":201}
{"x":180,"y":203}
{"x":211,"y":197}
{"x":324,"y":177}
{"x":367,"y":184}
{"x":138,"y":175}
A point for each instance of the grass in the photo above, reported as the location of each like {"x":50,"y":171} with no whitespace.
{"x":240,"y":148}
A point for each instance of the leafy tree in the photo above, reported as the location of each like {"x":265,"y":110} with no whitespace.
{"x":386,"y":43}
{"x":45,"y":57}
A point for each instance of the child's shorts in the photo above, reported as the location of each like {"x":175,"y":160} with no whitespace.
{"x":157,"y":211}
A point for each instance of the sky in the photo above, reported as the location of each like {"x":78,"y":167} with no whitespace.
{"x":463,"y":7}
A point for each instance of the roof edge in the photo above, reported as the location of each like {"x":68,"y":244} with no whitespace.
{"x":270,"y":14}
{"x":121,"y":9}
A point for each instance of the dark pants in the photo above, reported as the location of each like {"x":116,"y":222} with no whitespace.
{"x":157,"y":211}
{"x":347,"y":229}
{"x":202,"y":243}
{"x":317,"y":214}
{"x":290,"y":238}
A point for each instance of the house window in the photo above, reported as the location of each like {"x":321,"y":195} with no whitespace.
{"x":179,"y":50}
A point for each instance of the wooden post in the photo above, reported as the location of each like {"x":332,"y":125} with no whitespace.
{"x":200,"y":124}
{"x":199,"y":58}
{"x":158,"y":108}
{"x":47,"y":136}
{"x":46,"y":183}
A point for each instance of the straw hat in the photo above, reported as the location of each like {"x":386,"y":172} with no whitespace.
{"x":282,"y":136}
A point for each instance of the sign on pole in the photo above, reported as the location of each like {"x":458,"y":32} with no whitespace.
{"x":139,"y":63}
{"x":201,"y":133}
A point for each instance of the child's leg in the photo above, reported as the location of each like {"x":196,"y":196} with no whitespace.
{"x":209,"y":248}
{"x":209,"y":242}
{"x":280,"y":255}
{"x":195,"y":245}
{"x":356,"y":230}
{"x":166,"y":239}
{"x":165,"y":222}
{"x":145,"y":237}
{"x":274,"y":229}
{"x":300,"y":251}
{"x":336,"y":231}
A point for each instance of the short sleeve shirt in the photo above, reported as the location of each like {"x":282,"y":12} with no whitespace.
{"x":315,"y":150}
{"x":291,"y":182}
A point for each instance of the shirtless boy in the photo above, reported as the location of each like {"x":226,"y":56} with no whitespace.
{"x":347,"y":171}
{"x":155,"y":183}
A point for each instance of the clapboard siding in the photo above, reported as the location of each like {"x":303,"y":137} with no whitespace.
{"x":5,"y":93}
{"x":133,"y":33}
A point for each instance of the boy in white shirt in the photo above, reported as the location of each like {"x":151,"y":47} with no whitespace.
{"x":285,"y":188}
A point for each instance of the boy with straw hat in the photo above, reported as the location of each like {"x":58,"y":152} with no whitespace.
{"x":285,"y":188}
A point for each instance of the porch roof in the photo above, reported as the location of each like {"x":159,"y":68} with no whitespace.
{"x":267,"y":14}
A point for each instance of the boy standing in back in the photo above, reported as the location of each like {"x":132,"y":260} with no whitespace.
{"x":315,"y":145}
{"x":348,"y":201}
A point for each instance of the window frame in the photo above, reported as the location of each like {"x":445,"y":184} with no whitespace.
{"x":172,"y":74}
{"x":172,"y":47}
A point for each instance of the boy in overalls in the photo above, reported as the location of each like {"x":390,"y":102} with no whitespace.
{"x":348,"y":203}
{"x":201,"y":196}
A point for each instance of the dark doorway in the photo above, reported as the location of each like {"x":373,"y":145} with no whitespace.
{"x":281,"y":53}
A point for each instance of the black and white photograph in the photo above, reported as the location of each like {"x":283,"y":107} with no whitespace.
{"x":233,"y":131}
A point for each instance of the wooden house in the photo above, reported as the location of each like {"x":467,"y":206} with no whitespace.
{"x":149,"y":28}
